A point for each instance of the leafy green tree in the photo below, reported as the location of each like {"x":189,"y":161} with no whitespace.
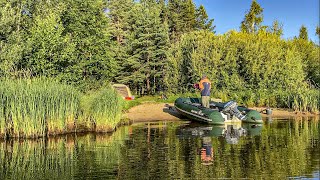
{"x":13,"y":24}
{"x":253,"y":18}
{"x":87,"y":24}
{"x":57,"y":38}
{"x":203,"y":21}
{"x":303,"y":33}
{"x":51,"y":51}
{"x":309,"y":54}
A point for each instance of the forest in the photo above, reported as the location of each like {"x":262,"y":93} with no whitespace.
{"x":154,"y":47}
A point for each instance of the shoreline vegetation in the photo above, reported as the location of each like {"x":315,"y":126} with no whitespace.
{"x":42,"y":107}
{"x":58,"y":59}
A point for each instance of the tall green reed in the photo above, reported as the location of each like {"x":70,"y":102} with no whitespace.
{"x":36,"y":107}
{"x":102,"y":108}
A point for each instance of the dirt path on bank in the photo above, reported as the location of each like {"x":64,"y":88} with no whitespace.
{"x":150,"y":111}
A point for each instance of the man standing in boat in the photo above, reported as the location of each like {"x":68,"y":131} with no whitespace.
{"x":205,"y":86}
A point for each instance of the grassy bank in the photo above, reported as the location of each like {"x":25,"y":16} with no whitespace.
{"x":40,"y":107}
{"x":36,"y":107}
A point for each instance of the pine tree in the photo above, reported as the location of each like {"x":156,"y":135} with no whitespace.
{"x":276,"y":28}
{"x":303,"y":33}
{"x":181,"y":18}
{"x":174,"y":21}
{"x":188,"y":15}
{"x":203,"y":21}
{"x":318,"y":31}
{"x":118,"y":13}
{"x":163,"y":10}
{"x":253,"y":18}
{"x":148,"y":49}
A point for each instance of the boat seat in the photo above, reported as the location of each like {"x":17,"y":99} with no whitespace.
{"x":193,"y":104}
{"x":212,"y":104}
{"x":196,"y":104}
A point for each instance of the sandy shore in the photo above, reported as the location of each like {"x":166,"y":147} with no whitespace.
{"x":147,"y":112}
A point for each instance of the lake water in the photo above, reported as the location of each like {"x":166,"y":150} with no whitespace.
{"x":279,"y":149}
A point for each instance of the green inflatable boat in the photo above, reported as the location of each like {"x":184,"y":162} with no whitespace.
{"x":218,"y":113}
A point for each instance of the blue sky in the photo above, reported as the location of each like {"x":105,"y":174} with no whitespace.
{"x":228,"y":14}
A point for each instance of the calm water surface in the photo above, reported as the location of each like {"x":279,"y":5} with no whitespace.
{"x":279,"y":149}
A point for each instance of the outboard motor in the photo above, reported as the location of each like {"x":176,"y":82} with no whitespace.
{"x":231,"y":107}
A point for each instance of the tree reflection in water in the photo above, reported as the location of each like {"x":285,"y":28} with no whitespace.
{"x":279,"y":150}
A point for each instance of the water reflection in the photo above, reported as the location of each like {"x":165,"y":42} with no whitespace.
{"x":206,"y":151}
{"x":278,"y":150}
{"x":230,"y":132}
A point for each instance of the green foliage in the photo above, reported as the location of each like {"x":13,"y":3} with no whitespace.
{"x":50,"y":51}
{"x":12,"y":34}
{"x":88,"y":44}
{"x":57,"y":39}
{"x":184,"y":17}
{"x":253,"y":69}
{"x":119,"y":14}
{"x":87,"y":24}
{"x":309,"y":54}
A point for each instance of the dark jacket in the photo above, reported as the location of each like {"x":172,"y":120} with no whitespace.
{"x":205,"y":86}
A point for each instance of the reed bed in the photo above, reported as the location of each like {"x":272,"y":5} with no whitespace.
{"x":36,"y":107}
{"x":40,"y":107}
{"x":102,"y":109}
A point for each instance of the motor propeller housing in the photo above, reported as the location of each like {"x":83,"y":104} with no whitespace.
{"x":231,"y":107}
